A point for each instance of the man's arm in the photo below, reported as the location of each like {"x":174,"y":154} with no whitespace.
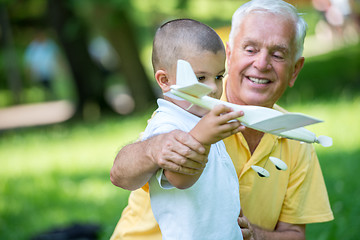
{"x":176,"y":151}
{"x":283,"y":231}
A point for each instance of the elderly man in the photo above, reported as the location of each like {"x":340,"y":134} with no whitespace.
{"x":263,"y":58}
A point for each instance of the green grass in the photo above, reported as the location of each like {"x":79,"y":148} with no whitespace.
{"x":340,"y":165}
{"x":56,"y":175}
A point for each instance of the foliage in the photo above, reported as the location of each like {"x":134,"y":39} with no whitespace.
{"x":100,"y":17}
{"x":329,"y":76}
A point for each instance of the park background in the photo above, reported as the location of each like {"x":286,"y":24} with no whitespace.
{"x":57,"y":148}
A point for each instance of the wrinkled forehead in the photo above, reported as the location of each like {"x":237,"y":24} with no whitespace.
{"x":275,"y":19}
{"x":263,"y":26}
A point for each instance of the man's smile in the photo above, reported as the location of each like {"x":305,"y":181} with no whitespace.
{"x":258,"y":80}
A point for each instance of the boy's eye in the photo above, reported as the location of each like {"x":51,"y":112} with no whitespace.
{"x":219,"y":77}
{"x":201,"y":78}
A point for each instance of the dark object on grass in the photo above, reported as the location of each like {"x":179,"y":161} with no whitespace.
{"x":73,"y":232}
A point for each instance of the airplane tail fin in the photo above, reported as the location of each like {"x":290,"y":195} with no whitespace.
{"x":325,"y":141}
{"x":186,"y":81}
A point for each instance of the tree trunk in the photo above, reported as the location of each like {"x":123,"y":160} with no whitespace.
{"x":122,"y":37}
{"x":72,"y":34}
{"x":10,"y":60}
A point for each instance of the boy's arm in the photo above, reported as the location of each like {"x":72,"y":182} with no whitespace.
{"x":212,"y":128}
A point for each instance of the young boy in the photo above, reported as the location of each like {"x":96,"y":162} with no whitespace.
{"x":207,"y":205}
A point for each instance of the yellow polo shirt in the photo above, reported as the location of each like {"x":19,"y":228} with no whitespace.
{"x":297,"y":195}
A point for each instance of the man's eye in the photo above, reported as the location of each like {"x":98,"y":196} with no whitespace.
{"x":278,"y":56}
{"x":249,"y":49}
{"x":201,"y":78}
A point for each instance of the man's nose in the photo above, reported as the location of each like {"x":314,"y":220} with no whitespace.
{"x":262,"y":61}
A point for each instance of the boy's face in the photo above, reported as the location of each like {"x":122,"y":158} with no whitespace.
{"x":209,"y":69}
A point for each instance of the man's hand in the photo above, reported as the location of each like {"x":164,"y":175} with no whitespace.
{"x":179,"y":152}
{"x":246,"y":228}
{"x":283,"y":231}
{"x":175,"y":151}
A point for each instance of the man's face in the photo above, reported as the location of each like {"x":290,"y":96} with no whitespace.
{"x":261,"y":63}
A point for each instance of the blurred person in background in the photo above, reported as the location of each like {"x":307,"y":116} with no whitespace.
{"x":339,"y":22}
{"x":41,"y":62}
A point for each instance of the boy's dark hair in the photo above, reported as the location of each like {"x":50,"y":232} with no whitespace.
{"x":175,"y":37}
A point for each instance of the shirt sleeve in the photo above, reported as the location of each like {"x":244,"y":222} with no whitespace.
{"x":157,"y":125}
{"x":162,"y":181}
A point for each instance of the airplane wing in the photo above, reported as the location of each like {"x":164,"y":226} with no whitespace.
{"x":262,"y":119}
{"x":285,"y":122}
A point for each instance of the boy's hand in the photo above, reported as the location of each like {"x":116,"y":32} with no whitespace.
{"x":215,"y":125}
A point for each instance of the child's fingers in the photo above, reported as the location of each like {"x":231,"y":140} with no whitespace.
{"x":229,"y":128}
{"x":226,"y":113}
{"x":230,"y":117}
{"x":221,"y":109}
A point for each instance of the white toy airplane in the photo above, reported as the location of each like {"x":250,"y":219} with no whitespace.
{"x":287,"y":125}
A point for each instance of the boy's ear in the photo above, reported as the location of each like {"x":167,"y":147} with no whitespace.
{"x":163,"y":80}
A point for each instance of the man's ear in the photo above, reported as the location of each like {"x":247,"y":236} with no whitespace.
{"x":163,"y":80}
{"x":298,"y":66}
{"x":228,"y":53}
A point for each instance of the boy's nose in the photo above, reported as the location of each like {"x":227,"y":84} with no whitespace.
{"x":213,"y":87}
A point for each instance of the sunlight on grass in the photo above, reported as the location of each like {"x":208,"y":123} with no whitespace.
{"x":59,"y":174}
{"x":67,"y":149}
{"x":340,"y":164}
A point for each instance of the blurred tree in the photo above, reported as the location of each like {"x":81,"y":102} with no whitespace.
{"x":9,"y":55}
{"x":183,"y":4}
{"x":113,"y":19}
{"x":72,"y":34}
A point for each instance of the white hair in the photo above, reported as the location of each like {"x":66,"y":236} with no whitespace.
{"x":278,"y":7}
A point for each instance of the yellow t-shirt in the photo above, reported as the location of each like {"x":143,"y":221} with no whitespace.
{"x":297,"y":195}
